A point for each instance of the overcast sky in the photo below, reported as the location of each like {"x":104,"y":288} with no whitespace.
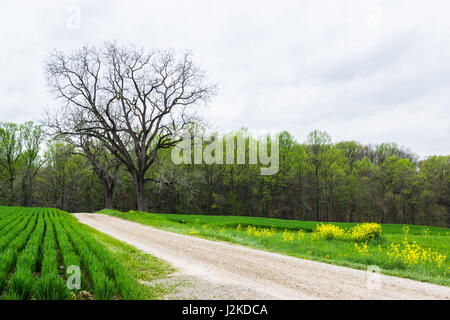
{"x":370,"y":71}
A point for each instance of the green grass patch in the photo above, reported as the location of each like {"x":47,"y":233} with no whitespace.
{"x":287,"y":240}
{"x":145,"y":267}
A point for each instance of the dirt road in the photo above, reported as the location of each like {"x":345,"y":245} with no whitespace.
{"x":255,"y":274}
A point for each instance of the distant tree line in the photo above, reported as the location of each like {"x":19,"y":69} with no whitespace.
{"x":317,"y":180}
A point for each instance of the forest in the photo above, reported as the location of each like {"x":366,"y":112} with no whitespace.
{"x":317,"y":180}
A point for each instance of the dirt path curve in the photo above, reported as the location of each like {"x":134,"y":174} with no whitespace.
{"x":255,"y":274}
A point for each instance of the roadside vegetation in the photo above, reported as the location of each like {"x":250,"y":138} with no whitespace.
{"x":40,"y":246}
{"x":410,"y":251}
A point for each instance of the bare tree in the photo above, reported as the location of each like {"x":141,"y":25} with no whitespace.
{"x":134,"y":102}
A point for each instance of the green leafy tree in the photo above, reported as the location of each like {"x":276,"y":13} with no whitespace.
{"x":318,"y":144}
{"x":10,"y":153}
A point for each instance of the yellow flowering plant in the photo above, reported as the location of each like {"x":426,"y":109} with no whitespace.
{"x":193,"y":231}
{"x":410,"y":253}
{"x":405,"y":229}
{"x":360,"y":233}
{"x":328,"y":232}
{"x":288,"y":236}
{"x":260,"y":232}
{"x":365,"y":231}
{"x":362,"y":248}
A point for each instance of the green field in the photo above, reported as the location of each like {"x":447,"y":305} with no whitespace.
{"x":38,"y":245}
{"x":413,"y":242}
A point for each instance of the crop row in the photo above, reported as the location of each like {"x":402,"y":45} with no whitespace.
{"x":105,"y":271}
{"x":39,"y":249}
{"x":21,"y":284}
{"x":11,"y":249}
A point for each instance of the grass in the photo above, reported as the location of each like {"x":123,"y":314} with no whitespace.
{"x":286,"y":239}
{"x":144,"y":267}
{"x":38,"y":247}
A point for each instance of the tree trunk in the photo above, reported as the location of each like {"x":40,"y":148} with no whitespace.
{"x":109,"y":195}
{"x":317,"y":205}
{"x":404,"y":213}
{"x":140,"y":194}
{"x":11,"y":190}
{"x":24,"y":194}
{"x":317,"y":195}
{"x":141,"y":200}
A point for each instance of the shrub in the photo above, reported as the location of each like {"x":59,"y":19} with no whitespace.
{"x":328,"y":232}
{"x":359,"y":233}
{"x":365,"y":231}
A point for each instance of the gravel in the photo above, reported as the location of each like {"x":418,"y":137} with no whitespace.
{"x":219,"y":270}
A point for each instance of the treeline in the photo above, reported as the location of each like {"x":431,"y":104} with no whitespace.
{"x":316,"y":180}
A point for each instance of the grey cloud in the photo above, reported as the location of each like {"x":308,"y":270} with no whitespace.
{"x":371,"y":71}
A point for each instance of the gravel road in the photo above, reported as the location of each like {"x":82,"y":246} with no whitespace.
{"x":245,"y":273}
